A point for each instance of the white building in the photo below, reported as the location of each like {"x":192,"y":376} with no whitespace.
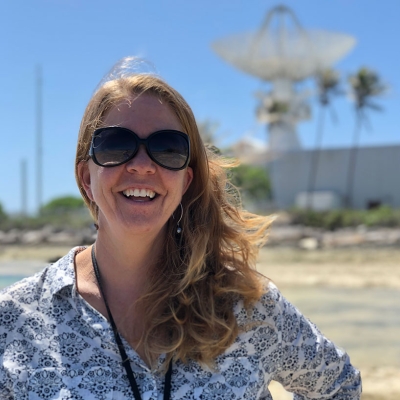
{"x":376,"y":178}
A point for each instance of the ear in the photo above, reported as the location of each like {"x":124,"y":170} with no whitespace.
{"x":188,"y":179}
{"x":84,"y":178}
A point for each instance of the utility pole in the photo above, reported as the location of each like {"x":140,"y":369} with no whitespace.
{"x":24,"y":188}
{"x":39,"y":150}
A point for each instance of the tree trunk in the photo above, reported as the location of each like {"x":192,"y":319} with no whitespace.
{"x":353,"y":163}
{"x":312,"y":177}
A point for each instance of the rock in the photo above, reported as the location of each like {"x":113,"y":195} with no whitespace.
{"x":32,"y":237}
{"x":342,"y":238}
{"x":281,"y":235}
{"x":64,"y":237}
{"x":306,"y":238}
{"x":11,"y":237}
{"x":88,"y":236}
{"x":309,"y":243}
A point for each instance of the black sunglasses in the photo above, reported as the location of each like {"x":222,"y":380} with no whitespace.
{"x":114,"y":145}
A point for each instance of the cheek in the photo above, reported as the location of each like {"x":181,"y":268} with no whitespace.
{"x":173,"y":183}
{"x":101,"y":181}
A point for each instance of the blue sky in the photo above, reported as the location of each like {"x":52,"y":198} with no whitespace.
{"x":77,"y":41}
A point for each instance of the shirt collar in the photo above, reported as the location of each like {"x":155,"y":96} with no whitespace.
{"x":61,"y":274}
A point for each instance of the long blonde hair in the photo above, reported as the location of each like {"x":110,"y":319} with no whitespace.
{"x":191,"y":292}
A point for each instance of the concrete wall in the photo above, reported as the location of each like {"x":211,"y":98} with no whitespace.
{"x":377,"y":175}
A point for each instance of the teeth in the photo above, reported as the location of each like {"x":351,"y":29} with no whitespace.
{"x":139,"y":193}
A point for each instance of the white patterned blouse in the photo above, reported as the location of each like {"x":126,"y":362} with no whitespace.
{"x":54,"y":345}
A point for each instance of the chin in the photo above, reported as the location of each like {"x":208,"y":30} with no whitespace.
{"x":141,"y":227}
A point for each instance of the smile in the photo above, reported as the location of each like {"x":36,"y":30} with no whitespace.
{"x":139,"y":193}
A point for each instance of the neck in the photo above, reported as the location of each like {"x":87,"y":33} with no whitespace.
{"x":125,"y":261}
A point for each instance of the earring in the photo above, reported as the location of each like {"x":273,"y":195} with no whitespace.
{"x":178,"y":228}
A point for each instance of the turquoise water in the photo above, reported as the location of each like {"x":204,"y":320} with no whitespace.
{"x":14,"y":270}
{"x":7,"y":280}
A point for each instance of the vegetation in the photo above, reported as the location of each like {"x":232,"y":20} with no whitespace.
{"x":3,"y":215}
{"x":61,"y":213}
{"x":278,"y":107}
{"x":365,"y":85}
{"x":254,"y":186}
{"x":328,"y":81}
{"x":336,"y":219}
{"x":253,"y":182}
{"x":207,"y":130}
{"x":61,"y":205}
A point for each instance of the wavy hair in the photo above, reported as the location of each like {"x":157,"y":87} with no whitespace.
{"x":192,"y":291}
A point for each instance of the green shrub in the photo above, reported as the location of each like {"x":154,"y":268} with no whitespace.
{"x":253,"y":182}
{"x":62,"y":204}
{"x":3,"y":215}
{"x":336,"y":219}
{"x":66,"y":212}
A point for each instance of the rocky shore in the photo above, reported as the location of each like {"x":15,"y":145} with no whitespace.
{"x":295,"y":236}
{"x":313,"y":238}
{"x":48,"y":235}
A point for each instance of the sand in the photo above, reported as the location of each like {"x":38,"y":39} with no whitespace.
{"x":352,"y":295}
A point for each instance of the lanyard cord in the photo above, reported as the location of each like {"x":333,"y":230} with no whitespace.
{"x":125,"y":360}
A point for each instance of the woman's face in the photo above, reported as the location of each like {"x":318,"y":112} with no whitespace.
{"x":111,"y":188}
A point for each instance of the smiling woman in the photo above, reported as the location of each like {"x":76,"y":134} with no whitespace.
{"x":167,"y":302}
{"x":135,"y":162}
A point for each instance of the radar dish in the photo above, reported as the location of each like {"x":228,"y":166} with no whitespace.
{"x":282,"y":49}
{"x":283,"y":52}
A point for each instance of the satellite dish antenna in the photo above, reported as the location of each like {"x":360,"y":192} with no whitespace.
{"x":283,"y":53}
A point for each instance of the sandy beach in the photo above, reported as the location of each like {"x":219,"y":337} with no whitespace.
{"x":352,"y":295}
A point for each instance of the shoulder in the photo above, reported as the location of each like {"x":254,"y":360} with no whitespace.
{"x":23,"y":292}
{"x":273,"y":303}
{"x":28,"y":295}
{"x":292,"y":350}
{"x":269,"y":306}
{"x":44,"y":279}
{"x":274,"y":315}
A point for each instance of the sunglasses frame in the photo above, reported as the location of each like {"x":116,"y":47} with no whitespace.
{"x":139,"y":142}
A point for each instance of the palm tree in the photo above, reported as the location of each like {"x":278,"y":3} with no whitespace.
{"x":328,"y":86}
{"x":365,"y":86}
{"x":208,"y":132}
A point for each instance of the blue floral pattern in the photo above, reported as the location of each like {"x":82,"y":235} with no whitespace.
{"x":53,"y":345}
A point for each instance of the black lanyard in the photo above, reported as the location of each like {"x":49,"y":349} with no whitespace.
{"x":121,"y":348}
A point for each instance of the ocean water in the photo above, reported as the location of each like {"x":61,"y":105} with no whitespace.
{"x":14,"y":270}
{"x":7,"y":280}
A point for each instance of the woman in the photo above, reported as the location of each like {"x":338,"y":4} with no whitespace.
{"x":166,"y":303}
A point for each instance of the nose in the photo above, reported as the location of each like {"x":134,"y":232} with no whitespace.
{"x":141,"y":163}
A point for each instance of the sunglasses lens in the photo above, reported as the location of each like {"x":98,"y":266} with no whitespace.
{"x":169,"y":149}
{"x":113,"y":146}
